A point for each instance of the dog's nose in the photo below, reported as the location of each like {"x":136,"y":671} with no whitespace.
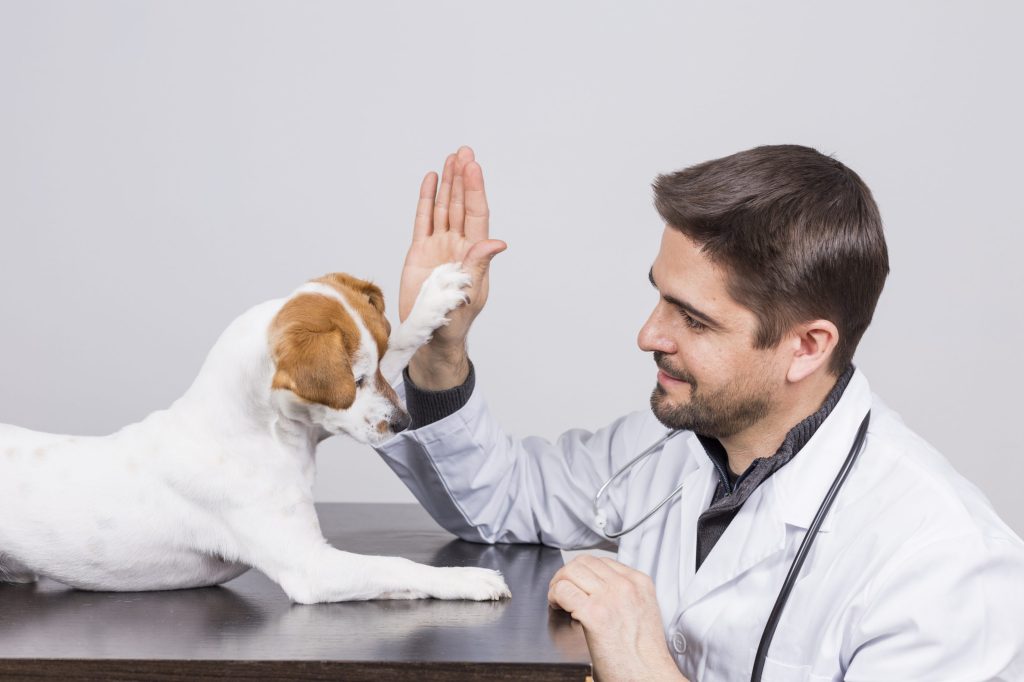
{"x":399,"y":421}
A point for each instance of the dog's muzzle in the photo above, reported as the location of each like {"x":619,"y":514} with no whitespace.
{"x":399,"y":421}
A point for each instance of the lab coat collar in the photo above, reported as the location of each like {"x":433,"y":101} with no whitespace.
{"x":753,"y":535}
{"x":790,"y":496}
{"x":799,"y":487}
{"x":698,"y":491}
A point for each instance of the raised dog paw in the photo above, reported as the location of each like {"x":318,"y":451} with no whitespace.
{"x":441,"y":293}
{"x":477,"y":584}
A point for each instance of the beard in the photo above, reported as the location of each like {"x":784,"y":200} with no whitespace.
{"x":714,"y":413}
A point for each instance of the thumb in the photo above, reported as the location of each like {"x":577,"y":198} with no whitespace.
{"x":480,"y":254}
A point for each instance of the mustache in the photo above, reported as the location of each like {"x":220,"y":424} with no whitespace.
{"x":659,"y":360}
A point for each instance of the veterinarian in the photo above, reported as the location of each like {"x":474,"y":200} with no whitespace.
{"x":770,"y":266}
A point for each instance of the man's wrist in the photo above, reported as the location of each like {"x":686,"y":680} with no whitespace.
{"x":661,"y":668}
{"x":439,"y":367}
{"x":426,"y":407}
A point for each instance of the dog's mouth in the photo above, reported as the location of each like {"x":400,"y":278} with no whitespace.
{"x":400,"y":422}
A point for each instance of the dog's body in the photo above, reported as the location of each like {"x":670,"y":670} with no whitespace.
{"x":221,"y":481}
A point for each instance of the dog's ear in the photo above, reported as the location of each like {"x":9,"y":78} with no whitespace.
{"x":345,"y":283}
{"x":312,"y":338}
{"x":376,"y":297}
{"x":368,"y":301}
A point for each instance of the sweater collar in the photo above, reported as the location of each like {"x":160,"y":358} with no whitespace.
{"x":763,"y":467}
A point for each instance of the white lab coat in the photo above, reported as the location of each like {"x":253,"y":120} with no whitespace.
{"x":911,"y":577}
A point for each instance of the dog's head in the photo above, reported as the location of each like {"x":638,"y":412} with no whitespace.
{"x":326,"y":343}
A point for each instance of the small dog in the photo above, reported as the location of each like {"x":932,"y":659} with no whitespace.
{"x":222,"y":481}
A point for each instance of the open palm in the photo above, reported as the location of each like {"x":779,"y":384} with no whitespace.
{"x":451,"y":225}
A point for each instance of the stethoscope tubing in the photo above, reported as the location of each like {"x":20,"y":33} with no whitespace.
{"x":805,"y":547}
{"x":624,"y":468}
{"x":802,"y":551}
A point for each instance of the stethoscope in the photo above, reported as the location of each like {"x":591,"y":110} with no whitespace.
{"x":601,"y":520}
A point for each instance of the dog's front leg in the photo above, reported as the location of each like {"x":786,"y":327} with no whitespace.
{"x":291,"y":551}
{"x":331,"y":575}
{"x":441,"y":293}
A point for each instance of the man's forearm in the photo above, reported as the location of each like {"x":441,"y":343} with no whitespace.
{"x":438,"y":367}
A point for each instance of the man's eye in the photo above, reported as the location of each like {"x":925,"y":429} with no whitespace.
{"x":692,"y":323}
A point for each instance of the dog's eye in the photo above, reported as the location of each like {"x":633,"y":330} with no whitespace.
{"x":360,"y":382}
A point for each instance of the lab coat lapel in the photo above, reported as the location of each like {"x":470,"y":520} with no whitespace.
{"x":697,"y":494}
{"x":791,"y":496}
{"x":801,"y":485}
{"x":755,"y":533}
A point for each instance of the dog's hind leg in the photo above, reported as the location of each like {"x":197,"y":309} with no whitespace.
{"x":12,"y":571}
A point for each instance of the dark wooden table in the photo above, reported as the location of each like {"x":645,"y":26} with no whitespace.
{"x":248,"y":629}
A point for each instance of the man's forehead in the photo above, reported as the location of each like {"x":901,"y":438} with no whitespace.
{"x":684,"y":272}
{"x":682,"y":268}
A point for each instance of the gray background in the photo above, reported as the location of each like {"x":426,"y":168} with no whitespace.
{"x":163,"y":166}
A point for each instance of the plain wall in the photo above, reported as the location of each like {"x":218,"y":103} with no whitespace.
{"x":166,"y":165}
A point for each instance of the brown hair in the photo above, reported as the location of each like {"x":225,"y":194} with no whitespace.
{"x":798,"y":232}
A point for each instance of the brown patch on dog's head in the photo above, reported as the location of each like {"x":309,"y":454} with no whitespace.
{"x":312,"y":339}
{"x":368,"y":302}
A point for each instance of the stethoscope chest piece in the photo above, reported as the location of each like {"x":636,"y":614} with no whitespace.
{"x":601,"y":519}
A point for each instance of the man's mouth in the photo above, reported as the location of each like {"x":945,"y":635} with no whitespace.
{"x":668,"y":380}
{"x":666,"y":377}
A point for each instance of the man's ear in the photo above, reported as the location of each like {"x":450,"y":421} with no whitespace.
{"x":813,"y":344}
{"x":311,"y":338}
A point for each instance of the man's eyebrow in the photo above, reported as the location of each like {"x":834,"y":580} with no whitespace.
{"x":693,"y":312}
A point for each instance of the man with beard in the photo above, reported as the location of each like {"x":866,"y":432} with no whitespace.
{"x":770,"y":266}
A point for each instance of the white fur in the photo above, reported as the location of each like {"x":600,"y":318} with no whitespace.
{"x":221,"y":481}
{"x":441,"y":293}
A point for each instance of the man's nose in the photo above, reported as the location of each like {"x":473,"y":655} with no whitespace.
{"x":653,"y":336}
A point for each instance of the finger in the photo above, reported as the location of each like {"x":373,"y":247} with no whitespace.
{"x":559,"y":575}
{"x":478,"y":259}
{"x":444,"y":195}
{"x":477,"y":213}
{"x":462,"y":158}
{"x":600,"y":567}
{"x":457,"y":208}
{"x":616,"y":566}
{"x":465,"y":153}
{"x":569,"y":572}
{"x":584,"y":577}
{"x":423,"y":225}
{"x":566,"y":596}
{"x":625,"y":571}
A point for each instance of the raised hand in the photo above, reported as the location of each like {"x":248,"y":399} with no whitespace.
{"x":452,"y":223}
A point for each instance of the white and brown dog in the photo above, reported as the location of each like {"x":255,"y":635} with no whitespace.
{"x":222,"y":481}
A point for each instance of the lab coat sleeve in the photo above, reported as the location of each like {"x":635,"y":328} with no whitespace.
{"x":484,"y":485}
{"x":950,"y":610}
